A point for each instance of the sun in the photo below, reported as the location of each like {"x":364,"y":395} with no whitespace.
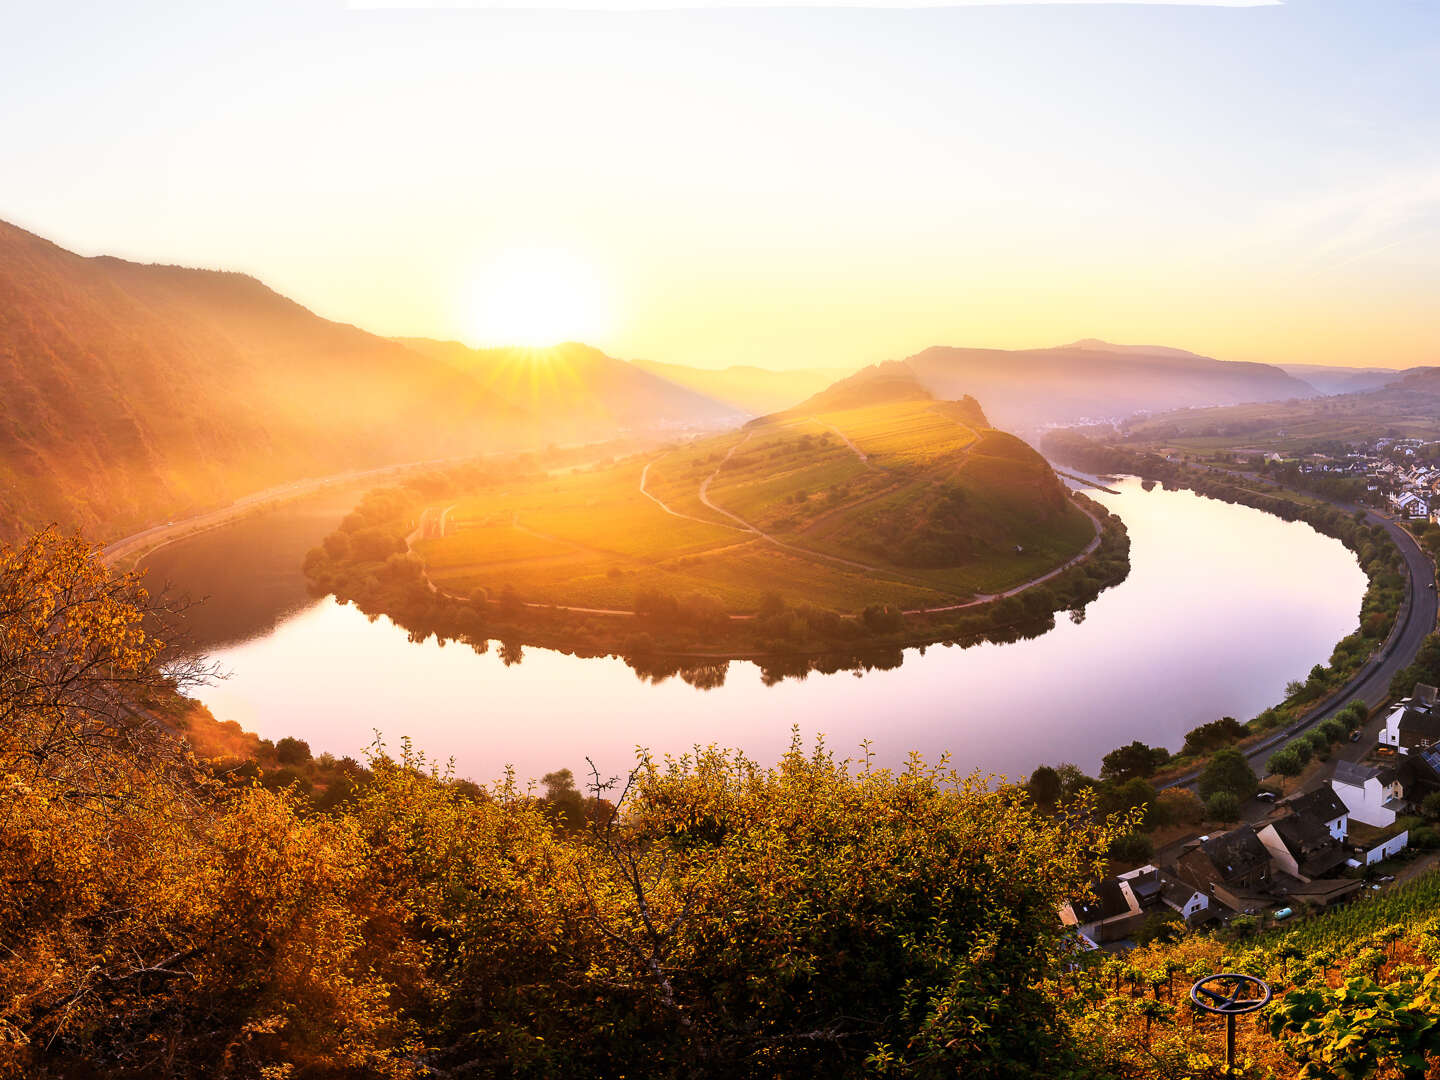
{"x":537,"y":298}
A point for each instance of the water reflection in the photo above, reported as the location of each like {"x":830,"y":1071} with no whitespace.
{"x":1224,"y":605}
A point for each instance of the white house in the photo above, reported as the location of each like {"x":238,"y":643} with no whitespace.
{"x":1183,"y":897}
{"x":1371,"y":795}
{"x":1411,"y":726}
{"x":1321,"y":805}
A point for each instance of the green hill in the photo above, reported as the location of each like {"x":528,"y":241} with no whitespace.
{"x":870,"y":492}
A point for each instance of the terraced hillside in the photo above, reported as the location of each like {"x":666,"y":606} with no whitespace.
{"x":871,"y":492}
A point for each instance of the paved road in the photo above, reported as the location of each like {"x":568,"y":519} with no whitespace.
{"x":157,"y":536}
{"x":1371,"y":684}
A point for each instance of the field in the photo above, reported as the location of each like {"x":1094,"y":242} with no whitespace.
{"x":913,"y":503}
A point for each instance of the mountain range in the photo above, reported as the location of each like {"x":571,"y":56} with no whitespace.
{"x":132,"y":393}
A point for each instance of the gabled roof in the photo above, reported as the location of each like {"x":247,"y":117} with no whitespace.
{"x":1419,"y":723}
{"x":1425,"y":694}
{"x":1315,"y":851}
{"x":1321,"y":803}
{"x":1354,"y":773}
{"x":1177,"y":893}
{"x":1109,"y":901}
{"x":1236,"y":852}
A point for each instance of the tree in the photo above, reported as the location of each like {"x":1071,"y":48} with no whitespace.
{"x":1179,"y":806}
{"x":1285,"y":762}
{"x":1213,"y":735}
{"x":1333,"y":728}
{"x":1228,"y":770}
{"x":1318,"y":742}
{"x":1133,"y":795}
{"x":1132,"y":848}
{"x":1132,"y":760}
{"x":564,"y":798}
{"x":1044,"y":786}
{"x":1223,"y":805}
{"x":1073,"y":782}
{"x":289,"y":751}
{"x":1430,"y":806}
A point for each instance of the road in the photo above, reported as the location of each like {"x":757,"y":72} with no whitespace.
{"x":157,"y":536}
{"x":1371,"y":684}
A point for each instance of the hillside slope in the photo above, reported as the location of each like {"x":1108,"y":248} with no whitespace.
{"x":133,"y":393}
{"x":871,"y":492}
{"x":1027,"y":389}
{"x":1407,"y":406}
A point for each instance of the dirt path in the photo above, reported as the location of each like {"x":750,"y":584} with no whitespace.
{"x":645,"y":475}
{"x":762,"y":534}
{"x":864,"y":457}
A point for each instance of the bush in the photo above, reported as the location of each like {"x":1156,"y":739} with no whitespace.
{"x":1179,"y":806}
{"x":1425,"y":838}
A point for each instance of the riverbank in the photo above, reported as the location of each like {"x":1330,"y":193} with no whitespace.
{"x":1351,"y":676}
{"x":370,"y":562}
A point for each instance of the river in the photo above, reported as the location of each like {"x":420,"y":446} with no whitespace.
{"x":1223,"y":606}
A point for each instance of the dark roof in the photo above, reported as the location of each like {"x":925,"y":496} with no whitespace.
{"x":1421,"y":725}
{"x":1354,"y":773}
{"x":1109,"y":901}
{"x":1425,"y":693}
{"x":1321,"y":803}
{"x":1236,"y":852}
{"x":1177,"y":893}
{"x":1146,"y":888}
{"x":1316,"y":852}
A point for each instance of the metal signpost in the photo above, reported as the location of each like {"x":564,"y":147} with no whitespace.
{"x":1230,"y":994}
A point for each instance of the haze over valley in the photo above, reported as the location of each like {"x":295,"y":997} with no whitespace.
{"x":715,"y":541}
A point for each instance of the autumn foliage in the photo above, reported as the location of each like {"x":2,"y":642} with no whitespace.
{"x":708,"y":917}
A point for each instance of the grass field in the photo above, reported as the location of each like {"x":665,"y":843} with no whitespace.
{"x":913,"y":503}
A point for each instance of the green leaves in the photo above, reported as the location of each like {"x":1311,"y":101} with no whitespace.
{"x":1362,"y":1027}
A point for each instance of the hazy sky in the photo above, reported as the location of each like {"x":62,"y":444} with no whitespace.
{"x":785,"y":187}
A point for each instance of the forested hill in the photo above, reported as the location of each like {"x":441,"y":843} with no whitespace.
{"x":133,"y":393}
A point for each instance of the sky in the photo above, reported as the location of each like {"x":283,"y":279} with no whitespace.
{"x":791,"y":187}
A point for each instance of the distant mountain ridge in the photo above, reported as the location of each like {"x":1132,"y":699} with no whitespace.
{"x":754,"y":390}
{"x":131,"y":393}
{"x":1343,"y":380}
{"x":579,"y":386}
{"x":1026,"y":389}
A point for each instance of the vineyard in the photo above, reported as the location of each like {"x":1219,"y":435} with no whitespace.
{"x":1354,"y":996}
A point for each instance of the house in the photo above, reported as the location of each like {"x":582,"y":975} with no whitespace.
{"x":1116,"y":909}
{"x":1193,"y":904}
{"x":1370,"y":845}
{"x":1232,"y":867}
{"x":1301,"y":846}
{"x":1321,"y":805}
{"x":1411,"y":727}
{"x":1372,"y":794}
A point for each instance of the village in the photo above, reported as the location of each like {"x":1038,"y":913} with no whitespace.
{"x":1402,"y":475}
{"x":1302,"y":853}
